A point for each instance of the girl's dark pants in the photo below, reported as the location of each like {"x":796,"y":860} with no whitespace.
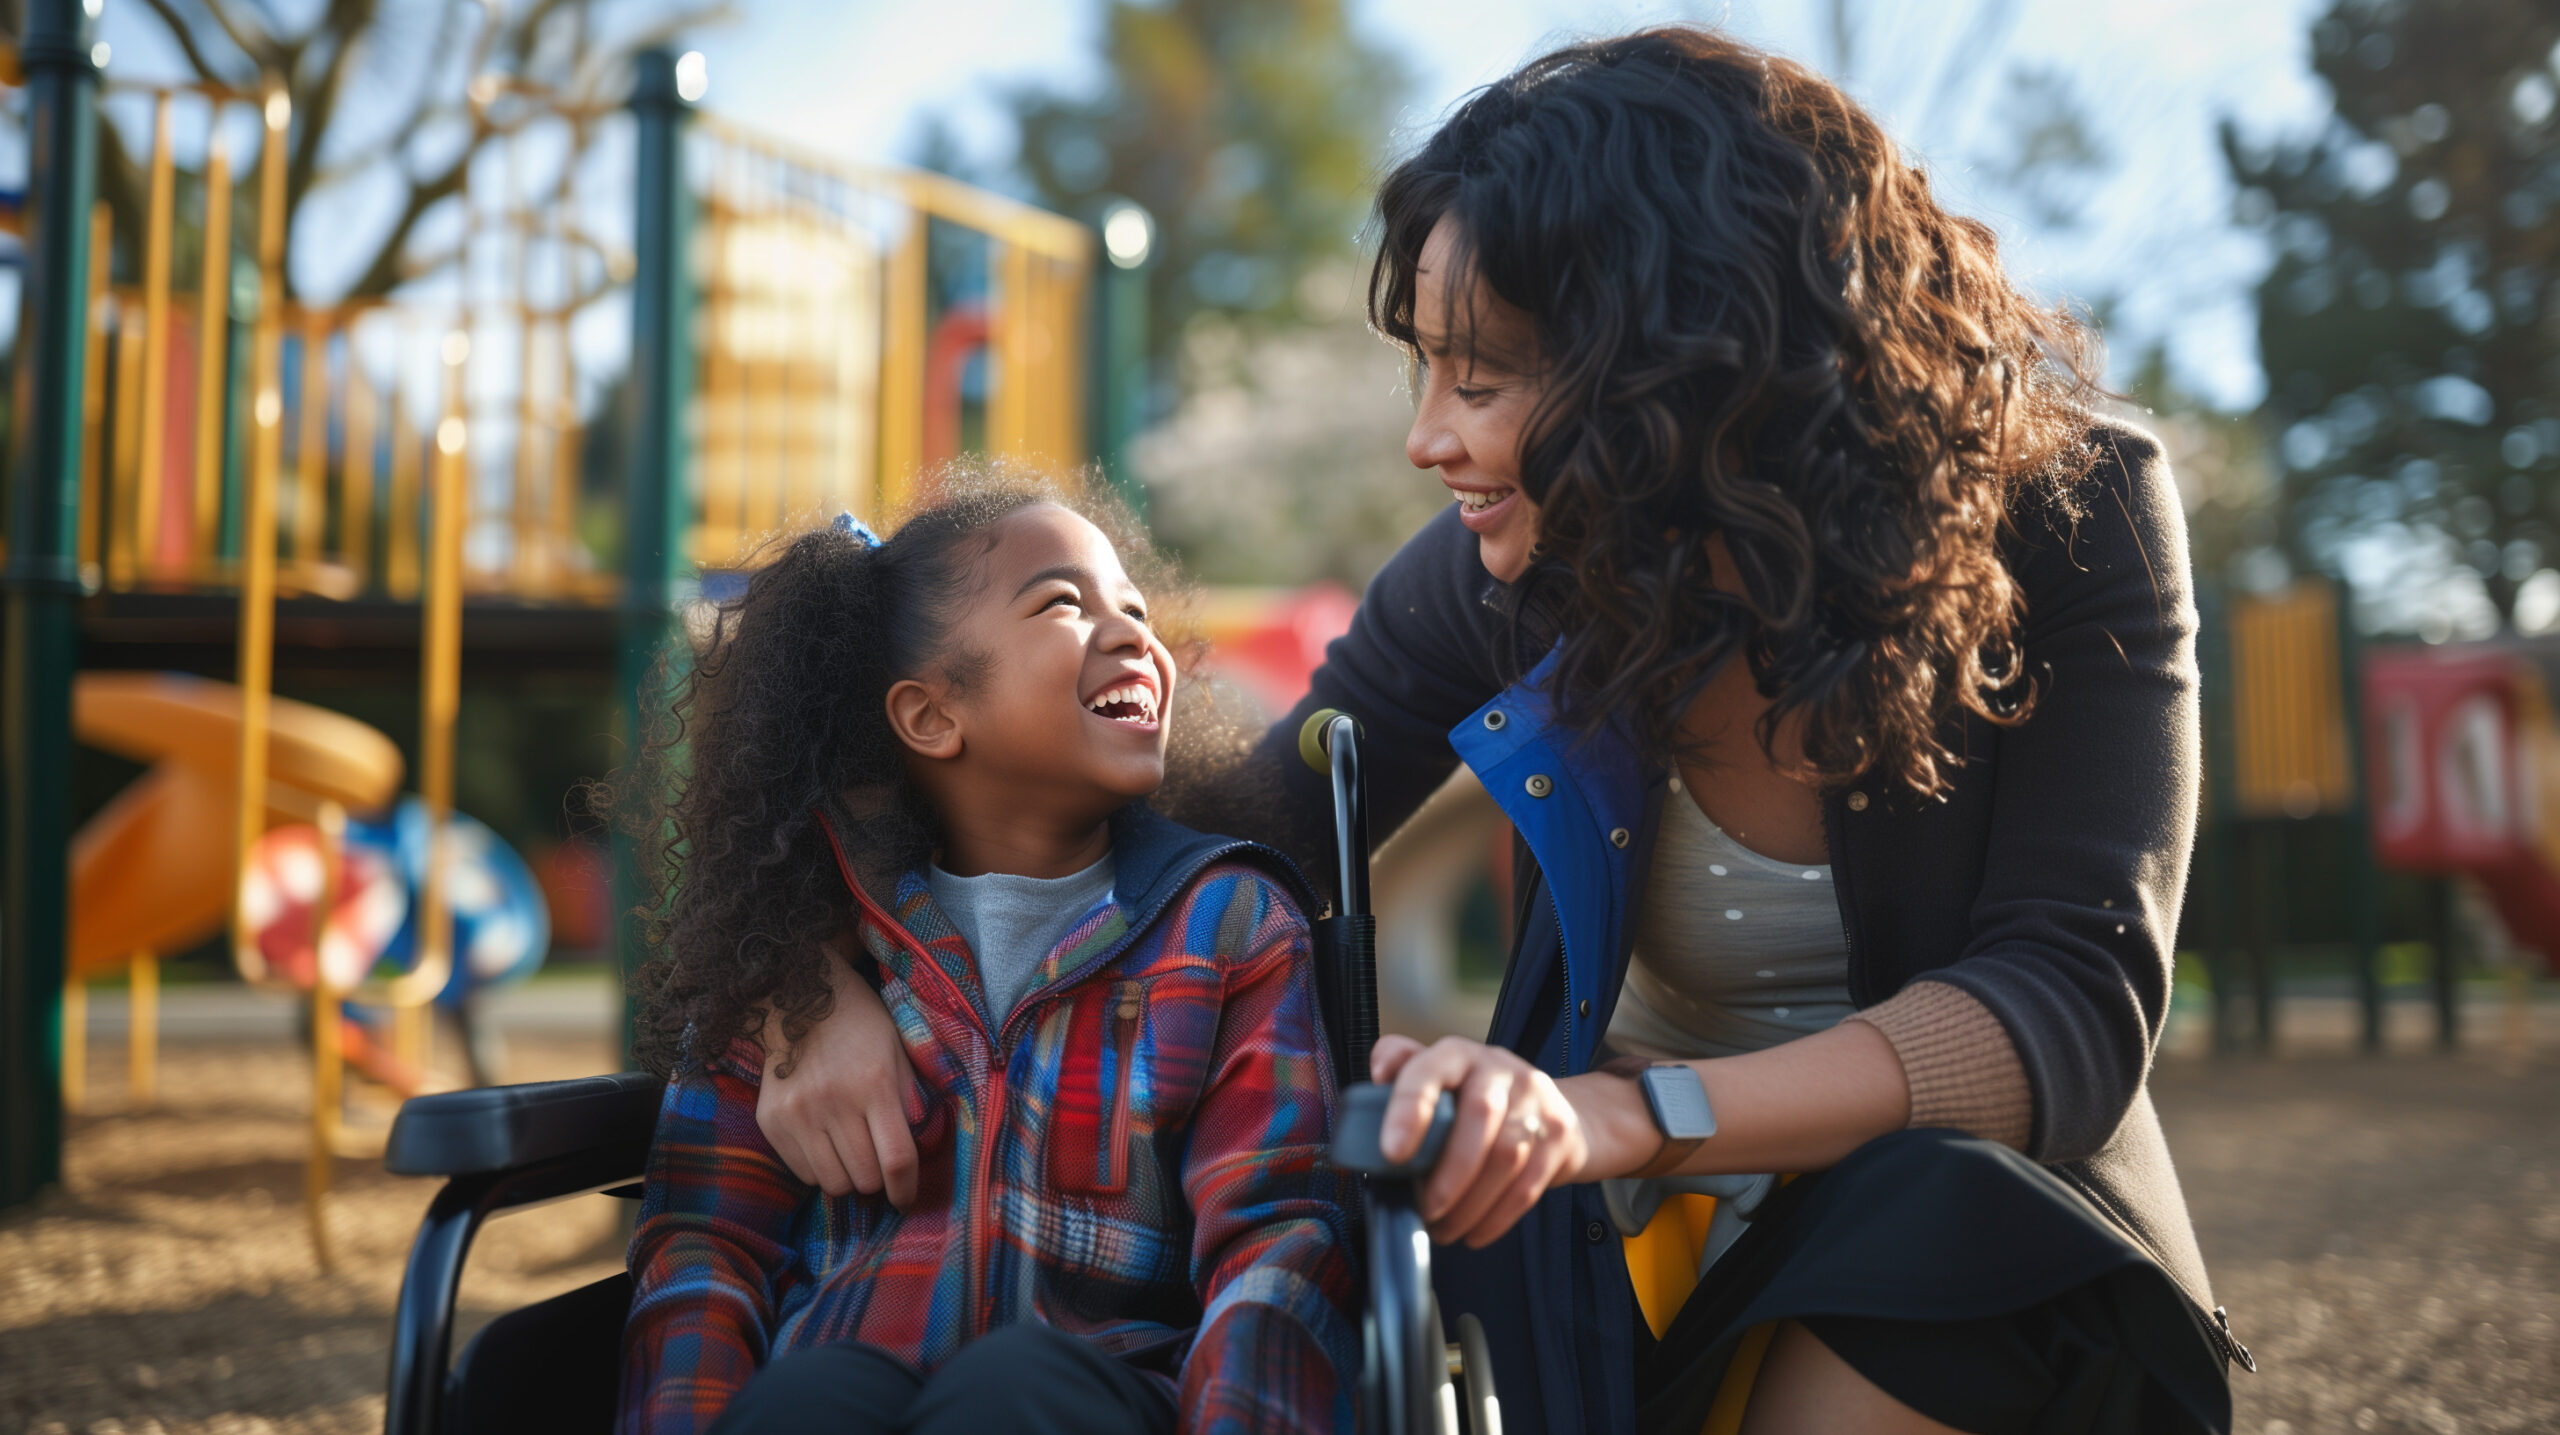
{"x":1027,"y":1378}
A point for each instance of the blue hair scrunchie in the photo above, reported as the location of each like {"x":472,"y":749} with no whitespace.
{"x":853,"y":527}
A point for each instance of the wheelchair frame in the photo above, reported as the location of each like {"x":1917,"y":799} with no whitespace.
{"x":506,"y":1148}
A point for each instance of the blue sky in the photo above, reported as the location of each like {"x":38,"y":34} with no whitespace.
{"x":857,"y":79}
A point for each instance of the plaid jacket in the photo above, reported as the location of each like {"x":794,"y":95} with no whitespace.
{"x":1134,"y":1155}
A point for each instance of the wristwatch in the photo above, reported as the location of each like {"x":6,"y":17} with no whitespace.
{"x":1677,"y":1098}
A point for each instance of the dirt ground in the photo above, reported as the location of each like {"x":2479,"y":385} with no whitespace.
{"x":2386,"y":1234}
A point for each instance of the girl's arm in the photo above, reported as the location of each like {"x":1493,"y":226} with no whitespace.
{"x":712,"y":1256}
{"x":1273,"y":1221}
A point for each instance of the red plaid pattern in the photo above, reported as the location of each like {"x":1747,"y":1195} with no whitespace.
{"x":1135,"y":1156}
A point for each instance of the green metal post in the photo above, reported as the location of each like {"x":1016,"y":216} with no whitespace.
{"x":2266,"y":841}
{"x":40,"y":645}
{"x":1118,"y":388}
{"x":2222,"y":854}
{"x":2364,"y":879}
{"x":655,"y":491}
{"x":2446,"y":972}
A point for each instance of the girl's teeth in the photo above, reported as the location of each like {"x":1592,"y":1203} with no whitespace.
{"x":1143,"y":698}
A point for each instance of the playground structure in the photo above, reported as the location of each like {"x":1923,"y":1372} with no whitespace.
{"x":784,"y":335}
{"x":144,"y":881}
{"x":2464,"y":756}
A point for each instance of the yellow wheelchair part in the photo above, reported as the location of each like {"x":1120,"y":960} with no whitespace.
{"x":1662,"y":1265}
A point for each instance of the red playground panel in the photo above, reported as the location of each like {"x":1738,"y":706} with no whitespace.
{"x":2462,"y":759}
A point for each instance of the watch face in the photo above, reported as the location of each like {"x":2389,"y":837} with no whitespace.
{"x":1679,"y":1102}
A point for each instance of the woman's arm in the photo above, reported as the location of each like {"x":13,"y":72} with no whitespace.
{"x":2093,"y":808}
{"x":1272,"y":1219}
{"x":2039,"y":1032}
{"x":840,"y":1118}
{"x":1798,"y":1106}
{"x":1420,"y":656}
{"x":711,"y":1258}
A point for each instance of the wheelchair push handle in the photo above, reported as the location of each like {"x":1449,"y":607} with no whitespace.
{"x":1404,"y":1378}
{"x":1329,"y":741}
{"x":1359,"y":1129}
{"x":1346,"y":942}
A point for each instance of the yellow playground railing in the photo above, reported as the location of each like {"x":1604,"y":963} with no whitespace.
{"x":853,"y":326}
{"x":463,"y":434}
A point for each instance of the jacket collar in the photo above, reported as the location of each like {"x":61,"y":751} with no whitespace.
{"x":1585,"y":805}
{"x":1153,"y":859}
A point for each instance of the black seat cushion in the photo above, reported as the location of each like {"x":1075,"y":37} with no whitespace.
{"x":548,"y":1369}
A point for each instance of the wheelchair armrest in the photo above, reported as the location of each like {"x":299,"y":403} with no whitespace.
{"x":1361,"y":1118}
{"x":499,"y":1148}
{"x":501,"y":1128}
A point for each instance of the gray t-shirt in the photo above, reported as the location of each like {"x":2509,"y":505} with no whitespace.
{"x":1012,"y":923}
{"x":1734,"y":952}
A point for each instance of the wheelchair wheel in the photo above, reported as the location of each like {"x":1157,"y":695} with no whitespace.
{"x":1478,"y":1410}
{"x":1444,"y":1396}
{"x":1407,"y":1365}
{"x":1373,"y":1383}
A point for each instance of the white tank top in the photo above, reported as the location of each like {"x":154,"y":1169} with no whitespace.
{"x":1734,"y":951}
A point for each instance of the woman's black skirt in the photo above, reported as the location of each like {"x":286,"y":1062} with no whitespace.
{"x":1967,"y":1282}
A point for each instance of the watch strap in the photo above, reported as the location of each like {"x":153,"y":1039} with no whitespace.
{"x":1672,"y":1154}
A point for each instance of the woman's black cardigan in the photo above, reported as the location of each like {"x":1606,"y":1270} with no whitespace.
{"x":2047,"y":881}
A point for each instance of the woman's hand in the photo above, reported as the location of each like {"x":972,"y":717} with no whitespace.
{"x":1519,"y":1131}
{"x":1797,"y":1106}
{"x":840,"y":1119}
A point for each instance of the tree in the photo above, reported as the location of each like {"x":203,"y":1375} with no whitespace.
{"x":1251,"y":129}
{"x":2408,"y":325}
{"x":397,"y":97}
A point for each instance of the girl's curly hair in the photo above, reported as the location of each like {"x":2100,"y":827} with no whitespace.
{"x":781,"y":714}
{"x":1754,"y":321}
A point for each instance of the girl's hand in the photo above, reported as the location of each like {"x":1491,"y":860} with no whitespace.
{"x":840,"y":1119}
{"x":1518,"y":1132}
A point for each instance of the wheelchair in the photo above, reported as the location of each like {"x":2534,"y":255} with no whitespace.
{"x":553,"y":1366}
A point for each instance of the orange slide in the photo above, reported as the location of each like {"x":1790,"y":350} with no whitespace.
{"x":152,"y":872}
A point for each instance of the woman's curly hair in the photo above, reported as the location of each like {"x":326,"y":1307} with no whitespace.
{"x":1755,"y":322}
{"x":782,"y":713}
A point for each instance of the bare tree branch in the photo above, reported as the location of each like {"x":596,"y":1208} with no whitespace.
{"x":318,"y":105}
{"x":548,"y":50}
{"x":386,"y":271}
{"x":179,"y":31}
{"x":260,"y":47}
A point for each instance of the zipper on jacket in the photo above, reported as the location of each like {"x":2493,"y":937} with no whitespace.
{"x":981,"y":1206}
{"x":2215,"y":1322}
{"x":1564,"y":954}
{"x":1129,"y":1014}
{"x":1136,"y":928}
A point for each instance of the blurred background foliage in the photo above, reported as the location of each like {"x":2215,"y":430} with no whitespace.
{"x":2406,"y":320}
{"x":2407,"y":440}
{"x":1251,"y":129}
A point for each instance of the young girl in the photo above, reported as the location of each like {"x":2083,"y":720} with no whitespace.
{"x":927,"y":758}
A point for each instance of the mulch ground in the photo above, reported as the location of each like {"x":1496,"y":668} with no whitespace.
{"x":2386,"y":1234}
